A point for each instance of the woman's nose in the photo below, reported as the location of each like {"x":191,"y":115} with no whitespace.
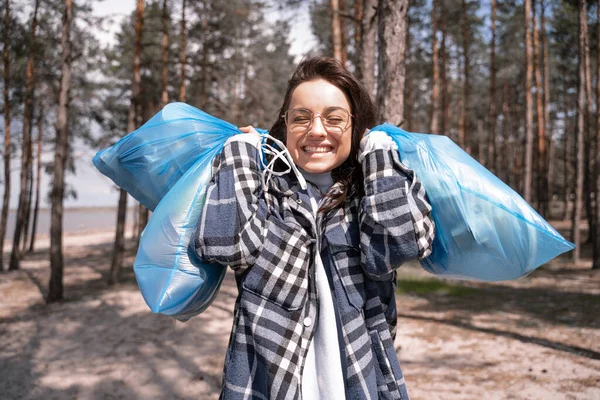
{"x":317,"y":128}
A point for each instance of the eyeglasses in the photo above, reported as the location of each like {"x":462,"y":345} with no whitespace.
{"x":334,"y":119}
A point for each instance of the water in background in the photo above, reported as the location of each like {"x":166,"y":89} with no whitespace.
{"x":75,"y":220}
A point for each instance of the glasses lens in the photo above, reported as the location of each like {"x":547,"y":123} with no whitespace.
{"x":334,"y":119}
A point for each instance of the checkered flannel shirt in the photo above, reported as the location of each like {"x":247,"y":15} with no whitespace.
{"x":268,"y":238}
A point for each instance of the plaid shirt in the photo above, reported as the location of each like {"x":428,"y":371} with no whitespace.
{"x":269,"y":237}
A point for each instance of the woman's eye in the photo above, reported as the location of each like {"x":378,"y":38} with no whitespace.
{"x":301,"y":120}
{"x":334,"y":120}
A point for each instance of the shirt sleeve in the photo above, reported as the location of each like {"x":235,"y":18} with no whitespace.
{"x":395,"y":215}
{"x":231,"y":228}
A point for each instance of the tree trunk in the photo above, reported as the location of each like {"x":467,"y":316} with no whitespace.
{"x":336,"y":30}
{"x":580,"y":132}
{"x":541,"y":156}
{"x":589,"y":157}
{"x":358,"y":19}
{"x":596,"y":256}
{"x":466,"y":105}
{"x":505,"y":134}
{"x":445,"y":113}
{"x":55,"y":290}
{"x":183,"y":58}
{"x":164,"y":98}
{"x":409,"y":90}
{"x":491,"y":147}
{"x":29,"y":193}
{"x":204,"y":73}
{"x":392,"y":28}
{"x":38,"y":179}
{"x":435,"y":91}
{"x":7,"y":138}
{"x":132,"y":124}
{"x":528,"y":104}
{"x":15,"y":257}
{"x":550,"y":167}
{"x":368,"y":37}
{"x":343,"y":33}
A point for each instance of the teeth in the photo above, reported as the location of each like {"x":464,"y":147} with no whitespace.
{"x":310,"y":149}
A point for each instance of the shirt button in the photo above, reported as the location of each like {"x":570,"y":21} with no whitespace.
{"x":307,"y":321}
{"x":299,"y":201}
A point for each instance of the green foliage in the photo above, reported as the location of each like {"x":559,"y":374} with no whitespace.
{"x":433,"y":287}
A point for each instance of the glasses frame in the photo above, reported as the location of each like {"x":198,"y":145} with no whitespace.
{"x":319,"y":115}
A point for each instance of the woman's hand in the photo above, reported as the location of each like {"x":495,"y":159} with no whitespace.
{"x":248,"y":129}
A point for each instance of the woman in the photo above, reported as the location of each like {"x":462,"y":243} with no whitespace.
{"x":315,"y":262}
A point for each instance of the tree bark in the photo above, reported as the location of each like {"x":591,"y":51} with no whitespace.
{"x":550,"y":167}
{"x":183,"y":57}
{"x":435,"y":91}
{"x":596,"y":256}
{"x":392,"y":29}
{"x":589,"y":157}
{"x":528,"y":104}
{"x":343,"y":33}
{"x":358,"y":19}
{"x":541,"y":156}
{"x":580,"y":133}
{"x":132,"y":124}
{"x":38,"y":178}
{"x":55,"y":290}
{"x":505,"y":134}
{"x":7,"y":138}
{"x":368,"y":37}
{"x":164,"y":97}
{"x":15,"y":256}
{"x":491,"y":147}
{"x":466,"y":105}
{"x":336,"y":30}
{"x":445,"y":114}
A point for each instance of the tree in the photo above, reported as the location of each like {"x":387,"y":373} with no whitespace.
{"x":596,"y":176}
{"x":542,"y":170}
{"x":392,"y":30}
{"x":119,"y":247}
{"x":38,"y":175}
{"x":55,"y":291}
{"x":368,"y":34}
{"x":580,"y":132}
{"x":7,"y":138}
{"x":529,"y":103}
{"x":435,"y":91}
{"x":164,"y":97}
{"x":336,"y":30}
{"x":15,"y":256}
{"x":464,"y":137}
{"x":491,"y":148}
{"x":182,"y":95}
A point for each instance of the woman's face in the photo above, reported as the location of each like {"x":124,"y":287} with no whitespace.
{"x":323,"y":143}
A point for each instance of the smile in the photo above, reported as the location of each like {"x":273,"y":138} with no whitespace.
{"x":320,"y":149}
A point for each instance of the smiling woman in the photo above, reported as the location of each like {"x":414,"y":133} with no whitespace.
{"x":315,"y":262}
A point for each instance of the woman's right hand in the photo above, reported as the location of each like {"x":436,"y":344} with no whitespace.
{"x":248,"y":129}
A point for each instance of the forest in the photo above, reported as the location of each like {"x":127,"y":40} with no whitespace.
{"x":502,"y":79}
{"x":515,"y":83}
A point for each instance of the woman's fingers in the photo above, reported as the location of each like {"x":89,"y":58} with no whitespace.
{"x":248,"y":129}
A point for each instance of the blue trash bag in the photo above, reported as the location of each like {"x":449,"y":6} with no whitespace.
{"x":484,"y":229}
{"x":172,"y":278}
{"x":166,"y":165}
{"x":148,"y":162}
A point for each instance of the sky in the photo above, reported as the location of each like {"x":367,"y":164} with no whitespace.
{"x":93,"y":188}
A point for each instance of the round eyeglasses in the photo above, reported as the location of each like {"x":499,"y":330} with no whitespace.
{"x":334,"y":119}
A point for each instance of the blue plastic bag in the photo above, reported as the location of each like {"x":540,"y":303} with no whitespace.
{"x":484,"y":229}
{"x":148,"y":162}
{"x":166,"y":165}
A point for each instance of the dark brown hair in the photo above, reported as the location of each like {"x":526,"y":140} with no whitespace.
{"x":362,"y":109}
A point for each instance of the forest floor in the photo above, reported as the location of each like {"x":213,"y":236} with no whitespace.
{"x":534,"y":338}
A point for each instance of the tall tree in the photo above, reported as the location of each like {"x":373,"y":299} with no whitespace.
{"x":15,"y":256}
{"x":491,"y":153}
{"x":435,"y":91}
{"x":528,"y":103}
{"x":392,"y":30}
{"x":580,"y":132}
{"x":367,"y":45}
{"x":336,"y":30}
{"x":38,"y":175}
{"x":588,"y":139}
{"x":541,"y":133}
{"x":7,"y":138}
{"x":119,"y":247}
{"x":164,"y":97}
{"x":466,"y":108}
{"x":55,"y":290}
{"x":596,"y":255}
{"x":183,"y":57}
{"x":445,"y":112}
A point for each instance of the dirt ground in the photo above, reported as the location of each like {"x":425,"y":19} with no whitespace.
{"x":535,"y":338}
